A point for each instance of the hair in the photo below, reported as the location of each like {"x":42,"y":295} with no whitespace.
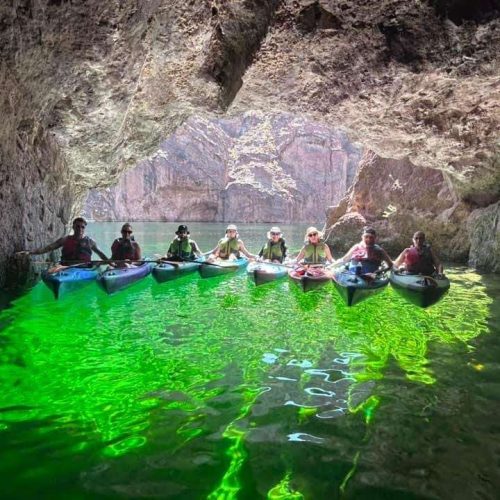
{"x":369,"y":230}
{"x":419,"y":233}
{"x":126,"y":226}
{"x":79,"y":219}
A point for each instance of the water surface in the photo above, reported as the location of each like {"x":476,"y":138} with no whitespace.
{"x":217,"y":389}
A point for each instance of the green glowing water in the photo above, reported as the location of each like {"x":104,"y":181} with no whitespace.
{"x":218,"y":389}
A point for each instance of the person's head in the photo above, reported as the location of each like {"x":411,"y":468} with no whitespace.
{"x":274,"y":233}
{"x":419,"y":239}
{"x":369,"y":236}
{"x":231,"y":231}
{"x":182,"y":231}
{"x":313,"y":235}
{"x":79,"y":225}
{"x":126,"y":231}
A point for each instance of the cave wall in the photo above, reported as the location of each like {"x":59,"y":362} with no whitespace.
{"x":253,"y":168}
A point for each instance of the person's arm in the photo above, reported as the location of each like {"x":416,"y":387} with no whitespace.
{"x":328,"y":253}
{"x":244,"y":251}
{"x":138,"y":251}
{"x":195,"y":248}
{"x":387,"y":259}
{"x":300,"y":256}
{"x":346,"y":258}
{"x":95,"y":249}
{"x":215,"y":253}
{"x":437,"y":263}
{"x":47,"y":248}
{"x":401,"y":258}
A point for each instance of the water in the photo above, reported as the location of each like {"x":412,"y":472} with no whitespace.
{"x":218,"y":389}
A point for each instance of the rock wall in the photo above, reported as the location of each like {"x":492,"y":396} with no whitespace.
{"x":254,"y":168}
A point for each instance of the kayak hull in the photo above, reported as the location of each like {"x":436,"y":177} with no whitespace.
{"x":220,"y":267}
{"x":166,"y":272}
{"x":265,"y":272}
{"x":422,"y":291}
{"x":69,"y":279}
{"x":113,"y":280}
{"x":310,"y":280}
{"x":354,"y":289}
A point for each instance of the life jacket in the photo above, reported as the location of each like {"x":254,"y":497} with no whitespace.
{"x":124,"y":250}
{"x":76,"y":249}
{"x":228,"y":246}
{"x":370,"y":258}
{"x":419,"y":262}
{"x":274,"y":251}
{"x":181,"y":248}
{"x":314,"y":254}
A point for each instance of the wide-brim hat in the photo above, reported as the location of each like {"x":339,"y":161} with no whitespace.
{"x":182,"y":229}
{"x":231,"y":227}
{"x":274,"y":229}
{"x":313,"y":229}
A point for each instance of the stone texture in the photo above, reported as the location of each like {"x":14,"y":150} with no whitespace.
{"x":254,"y":168}
{"x":483,"y":226}
{"x":397,"y":203}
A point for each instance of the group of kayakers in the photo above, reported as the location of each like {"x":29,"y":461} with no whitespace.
{"x":364,"y":258}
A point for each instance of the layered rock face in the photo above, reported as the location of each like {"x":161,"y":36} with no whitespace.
{"x":91,"y":88}
{"x":254,"y":168}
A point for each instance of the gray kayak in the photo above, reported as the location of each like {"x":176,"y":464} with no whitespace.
{"x":422,"y":291}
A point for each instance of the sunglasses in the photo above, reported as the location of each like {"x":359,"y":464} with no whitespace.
{"x":79,"y":226}
{"x":310,"y":235}
{"x":126,"y":232}
{"x":275,"y":234}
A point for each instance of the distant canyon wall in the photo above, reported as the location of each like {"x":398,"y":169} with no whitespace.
{"x":254,"y":168}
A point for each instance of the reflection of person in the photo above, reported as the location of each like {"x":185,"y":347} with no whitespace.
{"x":76,"y":247}
{"x":183,"y":247}
{"x":230,"y":247}
{"x":314,"y":250}
{"x":275,"y":248}
{"x":125,"y":248}
{"x":366,"y":257}
{"x":419,"y":258}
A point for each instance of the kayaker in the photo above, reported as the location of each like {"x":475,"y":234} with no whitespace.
{"x":183,"y":247}
{"x":419,"y":258}
{"x":275,"y":248}
{"x":314,"y":250}
{"x":76,"y":247}
{"x":125,"y":248}
{"x":230,"y":247}
{"x":366,"y":257}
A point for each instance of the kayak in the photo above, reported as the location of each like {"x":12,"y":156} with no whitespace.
{"x":354,"y":289}
{"x":219,"y":267}
{"x":264,"y":272}
{"x":166,"y":271}
{"x":69,"y":279}
{"x":423,"y":291}
{"x":114,"y":279}
{"x":310,"y":279}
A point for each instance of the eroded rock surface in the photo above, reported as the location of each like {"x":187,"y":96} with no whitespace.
{"x":254,"y":168}
{"x":484,"y":229}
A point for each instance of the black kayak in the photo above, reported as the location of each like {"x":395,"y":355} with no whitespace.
{"x":168,"y":270}
{"x":423,"y":291}
{"x":354,"y":289}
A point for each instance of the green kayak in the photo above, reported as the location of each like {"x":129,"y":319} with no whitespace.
{"x":423,"y":291}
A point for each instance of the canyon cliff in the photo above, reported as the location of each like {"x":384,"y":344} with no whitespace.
{"x":90,"y":89}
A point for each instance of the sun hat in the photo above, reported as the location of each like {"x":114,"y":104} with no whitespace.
{"x":274,"y":229}
{"x":312,"y":229}
{"x":231,"y":227}
{"x":182,"y":229}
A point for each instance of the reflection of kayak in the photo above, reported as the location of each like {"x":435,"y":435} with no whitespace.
{"x":71,"y":278}
{"x":264,"y":272}
{"x":219,"y":266}
{"x":310,"y":279}
{"x":354,"y":289}
{"x":423,"y":291}
{"x":116,"y":279}
{"x":165,"y":271}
